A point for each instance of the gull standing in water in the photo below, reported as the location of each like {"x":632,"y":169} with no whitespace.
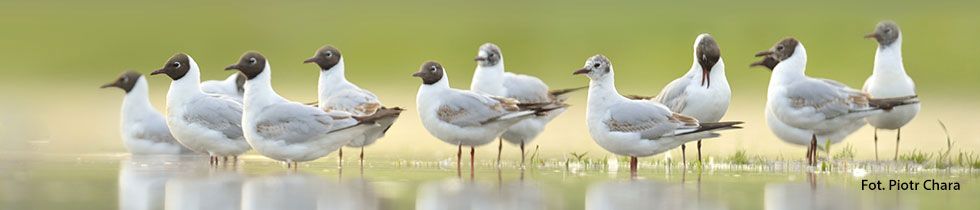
{"x":703,"y":92}
{"x":203,"y":122}
{"x":890,"y":80}
{"x":336,"y":93}
{"x":636,"y":128}
{"x":491,"y":78}
{"x":144,"y":130}
{"x":461,"y":117}
{"x":812,"y":111}
{"x":289,"y":131}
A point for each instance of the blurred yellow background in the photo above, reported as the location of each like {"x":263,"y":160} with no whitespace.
{"x":55,"y":54}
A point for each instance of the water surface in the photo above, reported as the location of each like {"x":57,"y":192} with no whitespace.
{"x":111,"y":181}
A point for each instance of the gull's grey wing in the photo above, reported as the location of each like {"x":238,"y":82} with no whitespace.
{"x":156,"y":131}
{"x":297,"y":123}
{"x":463,"y":108}
{"x":526,"y":89}
{"x":217,"y":113}
{"x":354,"y":100}
{"x":673,"y":95}
{"x":814,"y":100}
{"x":647,"y":119}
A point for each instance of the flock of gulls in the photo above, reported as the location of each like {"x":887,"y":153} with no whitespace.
{"x":230,"y":117}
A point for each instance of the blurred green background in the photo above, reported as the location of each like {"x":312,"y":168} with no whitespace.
{"x":56,"y":53}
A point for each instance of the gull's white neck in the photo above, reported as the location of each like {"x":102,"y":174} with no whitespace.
{"x":790,"y":70}
{"x":715,"y":76}
{"x":332,"y":80}
{"x":888,"y":59}
{"x":187,"y":87}
{"x":259,"y":92}
{"x":442,"y":84}
{"x":430,"y":93}
{"x":489,"y":79}
{"x":136,"y":103}
{"x":602,"y":91}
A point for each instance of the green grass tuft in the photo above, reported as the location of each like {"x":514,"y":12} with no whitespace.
{"x":968,"y":160}
{"x":916,"y":157}
{"x":847,"y":153}
{"x":739,"y":158}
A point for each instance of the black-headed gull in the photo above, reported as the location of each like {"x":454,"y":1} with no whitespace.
{"x":144,"y":130}
{"x":205,"y":123}
{"x":810,"y":111}
{"x":336,"y":93}
{"x":232,"y":86}
{"x":703,"y":92}
{"x":491,"y":78}
{"x":461,"y":117}
{"x":636,"y":128}
{"x":888,"y":79}
{"x":289,"y":131}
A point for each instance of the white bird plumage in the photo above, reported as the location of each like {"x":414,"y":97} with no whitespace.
{"x":889,"y":79}
{"x":491,"y":78}
{"x":461,"y":117}
{"x":703,"y":92}
{"x":636,"y":128}
{"x":812,"y":111}
{"x":335,"y":92}
{"x":144,"y":130}
{"x":289,"y":131}
{"x":205,"y":123}
{"x":232,"y":86}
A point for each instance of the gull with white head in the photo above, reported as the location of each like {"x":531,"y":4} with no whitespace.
{"x":636,"y":128}
{"x":491,"y":78}
{"x":888,"y":79}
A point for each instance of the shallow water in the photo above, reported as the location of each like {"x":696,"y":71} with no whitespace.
{"x":111,"y":181}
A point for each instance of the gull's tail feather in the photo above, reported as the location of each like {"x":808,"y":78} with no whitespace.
{"x":381,"y":114}
{"x":541,"y":109}
{"x":639,"y":97}
{"x":560,"y":95}
{"x":558,"y":92}
{"x":715,"y":127}
{"x":888,"y":104}
{"x":512,"y":117}
{"x":387,"y":122}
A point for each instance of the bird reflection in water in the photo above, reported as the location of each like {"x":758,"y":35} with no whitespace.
{"x":456,"y":194}
{"x":308,"y":191}
{"x":642,"y":194}
{"x":809,"y":195}
{"x":180,"y":183}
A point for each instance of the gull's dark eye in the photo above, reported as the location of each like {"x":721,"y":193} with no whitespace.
{"x":780,"y":47}
{"x":490,"y":55}
{"x":888,"y":31}
{"x":251,"y":60}
{"x":596,"y":65}
{"x":175,"y":64}
{"x":328,"y":54}
{"x":432,"y":69}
